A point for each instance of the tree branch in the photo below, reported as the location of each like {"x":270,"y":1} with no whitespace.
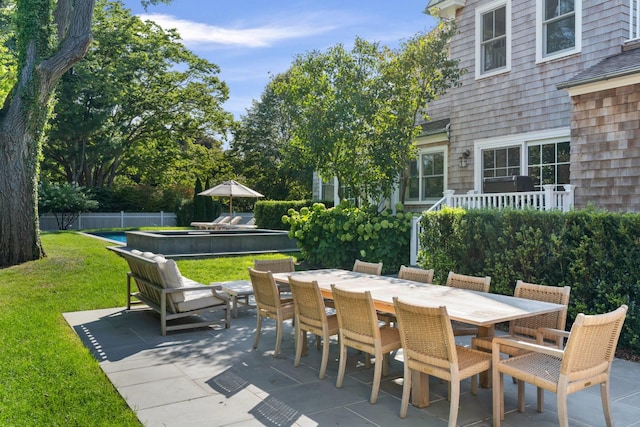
{"x":75,"y":44}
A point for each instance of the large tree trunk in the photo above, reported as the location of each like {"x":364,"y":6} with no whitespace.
{"x":21,"y":123}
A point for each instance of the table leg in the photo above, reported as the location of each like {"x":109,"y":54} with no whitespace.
{"x":419,"y":389}
{"x":486,"y":331}
{"x":234,"y":305}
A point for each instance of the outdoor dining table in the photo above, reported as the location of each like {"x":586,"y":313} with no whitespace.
{"x":484,"y":310}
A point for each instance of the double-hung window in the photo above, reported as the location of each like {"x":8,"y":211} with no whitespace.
{"x":559,"y":28}
{"x":493,"y":39}
{"x":425,"y":177}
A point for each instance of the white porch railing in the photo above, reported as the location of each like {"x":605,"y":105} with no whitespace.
{"x":545,"y":200}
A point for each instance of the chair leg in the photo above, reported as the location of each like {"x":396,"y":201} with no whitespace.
{"x":258,"y":329}
{"x":520,"y":396}
{"x":563,"y":415}
{"x":279,"y":328}
{"x":455,"y":402}
{"x":406,"y":389}
{"x":540,"y":399}
{"x":325,"y":355}
{"x":498,"y":394}
{"x":300,"y":335}
{"x":386,"y":361}
{"x":606,"y":403}
{"x":377,"y":376}
{"x":342,"y":365}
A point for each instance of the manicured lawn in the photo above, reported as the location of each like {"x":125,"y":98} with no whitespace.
{"x":47,"y":377}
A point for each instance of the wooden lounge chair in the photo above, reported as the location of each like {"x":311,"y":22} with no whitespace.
{"x":367,"y":267}
{"x":216,"y":223}
{"x":429,"y":347}
{"x":359,"y":329}
{"x":415,"y":274}
{"x":161,"y":287}
{"x":585,"y":362}
{"x":471,"y":283}
{"x":251,"y":224}
{"x":311,"y":316}
{"x":269,"y":305}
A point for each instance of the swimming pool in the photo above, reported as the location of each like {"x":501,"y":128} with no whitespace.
{"x":203,"y":243}
{"x":118,"y":236}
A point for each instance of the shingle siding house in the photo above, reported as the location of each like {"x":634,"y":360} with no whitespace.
{"x":552,"y":91}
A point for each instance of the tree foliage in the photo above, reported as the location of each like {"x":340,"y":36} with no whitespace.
{"x":136,"y":107}
{"x":263,"y":151}
{"x":8,"y":53}
{"x":354,"y":112}
{"x":65,"y":202}
{"x":50,"y":37}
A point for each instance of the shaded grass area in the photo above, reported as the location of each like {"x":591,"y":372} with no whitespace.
{"x":47,"y":376}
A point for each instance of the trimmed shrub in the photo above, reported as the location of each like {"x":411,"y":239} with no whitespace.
{"x":269,"y":213}
{"x":596,"y":253}
{"x":335,"y":237}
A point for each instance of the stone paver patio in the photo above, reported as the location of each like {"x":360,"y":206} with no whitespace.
{"x":213,"y":377}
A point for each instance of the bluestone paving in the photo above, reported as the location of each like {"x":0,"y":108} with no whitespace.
{"x":213,"y":377}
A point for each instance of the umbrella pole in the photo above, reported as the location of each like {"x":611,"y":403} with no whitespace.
{"x":231,"y":207}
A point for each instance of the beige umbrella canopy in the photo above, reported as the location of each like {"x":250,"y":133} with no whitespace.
{"x":230,"y":189}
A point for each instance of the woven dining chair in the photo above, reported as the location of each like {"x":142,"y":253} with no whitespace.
{"x":311,"y":316}
{"x":429,"y":347}
{"x":280,"y":265}
{"x":415,"y":274}
{"x":471,"y":283}
{"x":359,"y":329}
{"x":525,"y":328}
{"x":270,"y":305}
{"x":585,"y":362}
{"x":374,"y":268}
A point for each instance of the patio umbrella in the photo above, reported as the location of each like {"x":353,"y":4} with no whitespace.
{"x":230,"y":189}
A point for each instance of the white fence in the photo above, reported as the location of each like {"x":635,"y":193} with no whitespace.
{"x":548,"y":199}
{"x":112,"y":220}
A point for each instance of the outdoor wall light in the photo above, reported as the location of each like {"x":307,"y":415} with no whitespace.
{"x":462,"y":160}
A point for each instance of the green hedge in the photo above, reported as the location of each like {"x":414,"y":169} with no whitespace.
{"x":335,"y":237}
{"x":596,"y":253}
{"x":268,"y":214}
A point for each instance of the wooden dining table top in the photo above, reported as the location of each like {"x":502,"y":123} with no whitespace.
{"x":477,"y":308}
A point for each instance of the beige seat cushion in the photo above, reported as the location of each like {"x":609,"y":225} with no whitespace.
{"x":193,"y":300}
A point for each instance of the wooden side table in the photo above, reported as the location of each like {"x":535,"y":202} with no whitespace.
{"x":236,"y":289}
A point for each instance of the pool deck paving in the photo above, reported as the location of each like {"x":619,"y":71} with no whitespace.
{"x":213,"y":377}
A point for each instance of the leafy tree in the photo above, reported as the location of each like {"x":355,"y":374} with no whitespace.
{"x":199,"y":209}
{"x":50,"y":37}
{"x":8,"y":53}
{"x":209,"y":207}
{"x":354,"y":113}
{"x":134,"y":108}
{"x":263,"y":151}
{"x":65,"y":202}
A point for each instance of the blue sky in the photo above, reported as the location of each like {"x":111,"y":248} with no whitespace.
{"x":252,"y":39}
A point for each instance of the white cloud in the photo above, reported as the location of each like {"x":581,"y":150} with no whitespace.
{"x":262,"y":36}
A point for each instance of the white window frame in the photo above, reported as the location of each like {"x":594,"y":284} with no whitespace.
{"x":479,"y":12}
{"x":428,"y":150}
{"x":540,"y":33}
{"x":634,"y":20}
{"x":522,"y":140}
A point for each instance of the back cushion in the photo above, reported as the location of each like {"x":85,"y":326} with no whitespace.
{"x":172,"y":278}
